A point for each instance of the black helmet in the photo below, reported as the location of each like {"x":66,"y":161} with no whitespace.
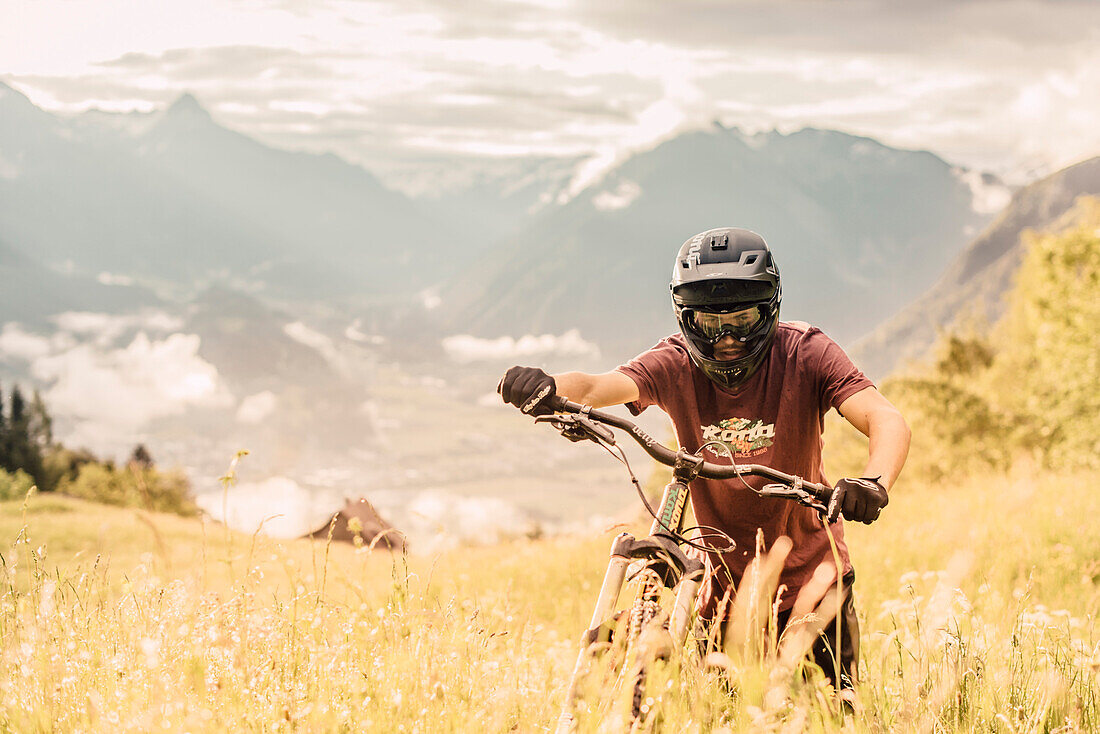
{"x":725,"y":283}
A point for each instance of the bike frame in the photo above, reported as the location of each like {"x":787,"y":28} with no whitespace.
{"x":663,"y":556}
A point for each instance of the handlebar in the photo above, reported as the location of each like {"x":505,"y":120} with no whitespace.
{"x":592,"y":421}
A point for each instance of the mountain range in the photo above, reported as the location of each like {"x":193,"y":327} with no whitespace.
{"x":175,"y":202}
{"x":858,"y":230}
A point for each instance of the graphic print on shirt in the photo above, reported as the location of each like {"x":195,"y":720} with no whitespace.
{"x":743,"y":436}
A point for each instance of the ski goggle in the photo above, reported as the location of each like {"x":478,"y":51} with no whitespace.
{"x":713,"y":326}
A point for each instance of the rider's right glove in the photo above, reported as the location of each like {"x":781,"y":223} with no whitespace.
{"x":859,"y":499}
{"x":529,"y":389}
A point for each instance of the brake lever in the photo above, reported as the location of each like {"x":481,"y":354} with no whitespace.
{"x":800,"y":496}
{"x":578,"y":428}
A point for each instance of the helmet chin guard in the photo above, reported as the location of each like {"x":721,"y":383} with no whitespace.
{"x":722,"y":271}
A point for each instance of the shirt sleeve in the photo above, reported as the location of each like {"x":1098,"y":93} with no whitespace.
{"x":649,"y":370}
{"x":838,"y":378}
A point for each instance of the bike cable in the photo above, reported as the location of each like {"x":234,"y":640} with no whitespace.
{"x":733,"y":462}
{"x":714,"y":533}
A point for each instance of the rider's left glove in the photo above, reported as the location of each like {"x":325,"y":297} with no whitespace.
{"x":858,"y":499}
{"x":529,"y":389}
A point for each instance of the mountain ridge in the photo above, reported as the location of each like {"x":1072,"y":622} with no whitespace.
{"x":836,"y":216}
{"x":180,"y":197}
{"x":973,"y":284}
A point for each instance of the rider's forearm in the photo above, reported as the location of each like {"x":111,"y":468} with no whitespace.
{"x":599,"y":391}
{"x":578,"y":387}
{"x":888,"y":445}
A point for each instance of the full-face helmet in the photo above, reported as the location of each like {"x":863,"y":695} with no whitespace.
{"x":725,"y":284}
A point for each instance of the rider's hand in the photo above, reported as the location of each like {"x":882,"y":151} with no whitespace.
{"x":859,"y":500}
{"x":529,"y":389}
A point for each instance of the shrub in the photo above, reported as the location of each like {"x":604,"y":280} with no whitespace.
{"x":1030,"y":387}
{"x":14,"y":486}
{"x":133,"y":486}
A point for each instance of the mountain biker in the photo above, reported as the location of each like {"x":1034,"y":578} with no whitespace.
{"x":736,"y":375}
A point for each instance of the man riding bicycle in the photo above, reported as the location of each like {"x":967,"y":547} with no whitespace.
{"x":740,"y":382}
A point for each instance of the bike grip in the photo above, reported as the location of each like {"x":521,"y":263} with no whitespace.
{"x":821,"y":493}
{"x":559,"y":403}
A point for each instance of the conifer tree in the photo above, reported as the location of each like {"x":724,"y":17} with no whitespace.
{"x":18,"y":406}
{"x":21,"y":452}
{"x":39,"y":424}
{"x":141,"y":458}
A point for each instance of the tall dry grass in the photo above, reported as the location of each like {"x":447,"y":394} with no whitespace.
{"x":977,"y":604}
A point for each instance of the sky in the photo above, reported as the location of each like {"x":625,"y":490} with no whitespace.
{"x":1011,"y":86}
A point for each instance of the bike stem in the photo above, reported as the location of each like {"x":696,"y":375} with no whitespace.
{"x":670,"y":518}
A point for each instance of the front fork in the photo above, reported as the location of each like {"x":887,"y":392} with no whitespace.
{"x":664,"y":557}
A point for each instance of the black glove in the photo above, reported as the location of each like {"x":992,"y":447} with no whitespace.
{"x":529,"y":389}
{"x":859,"y":499}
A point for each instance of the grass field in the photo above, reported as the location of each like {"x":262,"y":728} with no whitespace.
{"x":977,"y":605}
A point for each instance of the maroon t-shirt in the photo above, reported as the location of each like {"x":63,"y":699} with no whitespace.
{"x":775,"y":419}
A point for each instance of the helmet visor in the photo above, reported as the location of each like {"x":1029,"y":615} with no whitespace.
{"x":713,"y":326}
{"x":721,"y":294}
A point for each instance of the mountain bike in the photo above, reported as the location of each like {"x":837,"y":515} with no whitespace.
{"x":657,"y":622}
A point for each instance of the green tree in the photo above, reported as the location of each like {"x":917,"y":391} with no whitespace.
{"x":963,"y":356}
{"x":956,"y":431}
{"x":18,"y":406}
{"x":1049,"y":363}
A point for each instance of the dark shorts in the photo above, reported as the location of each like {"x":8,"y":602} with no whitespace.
{"x":836,"y":650}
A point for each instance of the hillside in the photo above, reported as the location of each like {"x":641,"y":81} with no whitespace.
{"x":973,"y":285}
{"x":33,"y":292}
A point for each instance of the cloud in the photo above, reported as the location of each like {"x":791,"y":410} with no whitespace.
{"x":106,"y":328}
{"x":278,"y":505}
{"x":990,"y":195}
{"x":111,"y":279}
{"x":111,"y":395}
{"x":198,"y":64}
{"x":430,"y":299}
{"x":978,"y":82}
{"x":27,"y":347}
{"x":355,"y":333}
{"x":856,"y":26}
{"x":320,"y":343}
{"x":434,"y":519}
{"x":621,"y":197}
{"x":465,"y":348}
{"x":257,"y":408}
